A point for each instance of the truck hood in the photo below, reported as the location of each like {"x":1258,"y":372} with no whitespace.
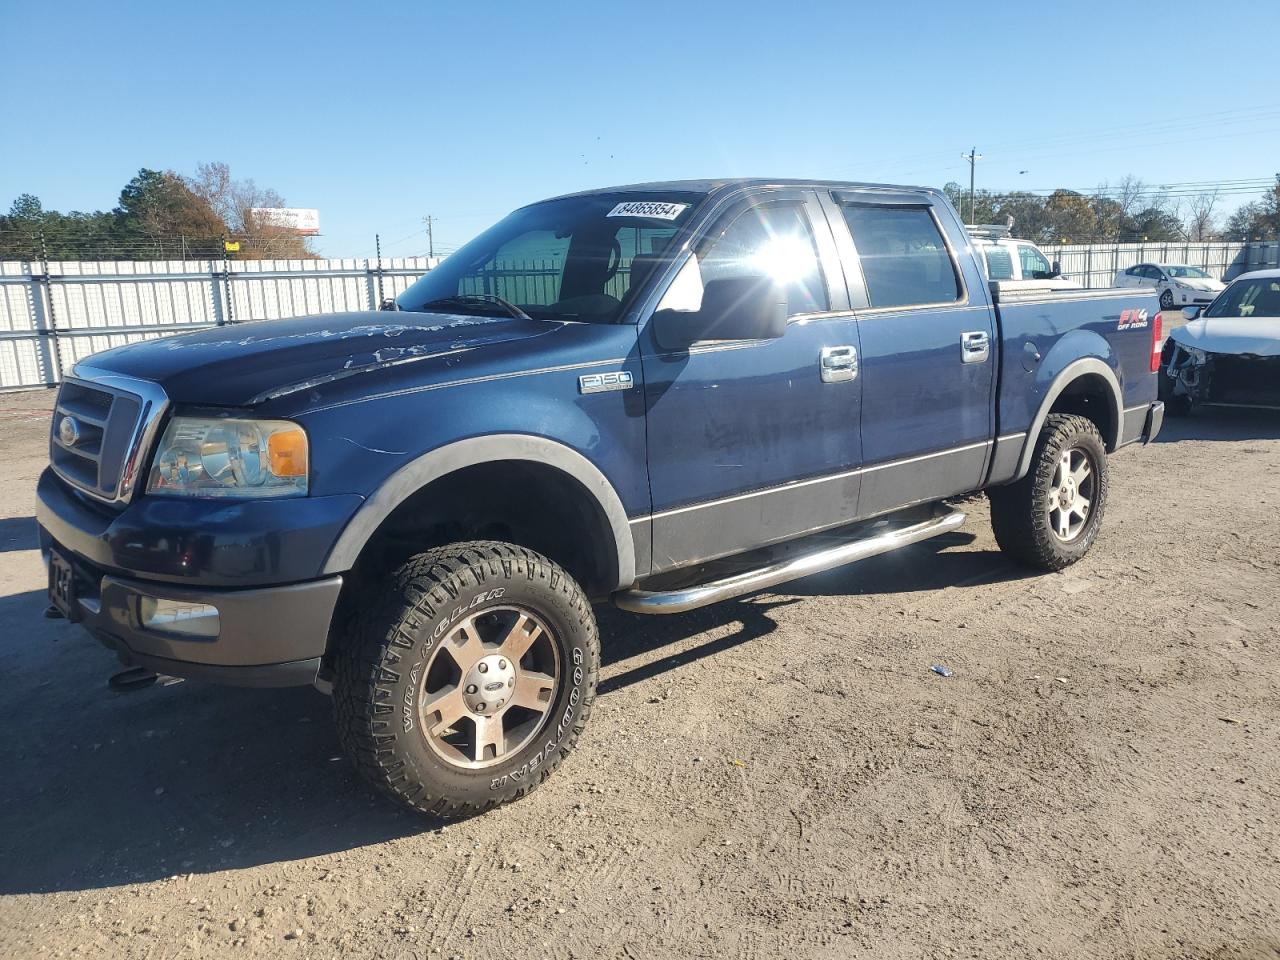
{"x":243,"y":364}
{"x":1259,"y":336}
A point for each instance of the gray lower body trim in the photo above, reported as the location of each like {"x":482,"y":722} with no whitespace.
{"x":1004,"y":459}
{"x":920,"y":479}
{"x":724,"y":527}
{"x":1134,"y":423}
{"x":720,"y":528}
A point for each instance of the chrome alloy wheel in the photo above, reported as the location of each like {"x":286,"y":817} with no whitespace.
{"x":1071,"y":494}
{"x":489,"y":686}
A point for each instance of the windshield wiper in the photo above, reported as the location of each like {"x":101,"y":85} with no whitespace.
{"x":487,"y":298}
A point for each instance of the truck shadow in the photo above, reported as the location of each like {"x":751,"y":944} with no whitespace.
{"x":18,"y":533}
{"x":1220,"y":423}
{"x":103,"y":790}
{"x":921,"y":567}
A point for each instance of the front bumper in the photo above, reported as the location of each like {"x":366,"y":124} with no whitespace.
{"x":266,"y":637}
{"x":259,"y":563}
{"x":1194,"y":298}
{"x":207,"y":543}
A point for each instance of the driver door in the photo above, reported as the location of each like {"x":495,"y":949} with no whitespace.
{"x":752,"y":442}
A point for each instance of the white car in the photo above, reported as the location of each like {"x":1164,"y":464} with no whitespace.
{"x":1180,"y":285}
{"x":1229,"y":354}
{"x":1016,"y":263}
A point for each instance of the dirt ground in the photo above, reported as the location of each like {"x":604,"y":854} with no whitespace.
{"x":780,"y":776}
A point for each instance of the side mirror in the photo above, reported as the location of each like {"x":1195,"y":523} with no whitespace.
{"x":1191,"y":313}
{"x":1057,"y":269}
{"x":733,"y":308}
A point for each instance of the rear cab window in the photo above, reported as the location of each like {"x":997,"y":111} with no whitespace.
{"x":999,"y":262}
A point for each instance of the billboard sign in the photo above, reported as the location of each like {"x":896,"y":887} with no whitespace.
{"x":294,"y":219}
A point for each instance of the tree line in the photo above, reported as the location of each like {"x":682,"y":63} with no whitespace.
{"x":1131,"y":211}
{"x":161,"y":215}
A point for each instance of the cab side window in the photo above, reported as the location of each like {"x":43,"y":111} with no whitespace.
{"x":904,"y":259}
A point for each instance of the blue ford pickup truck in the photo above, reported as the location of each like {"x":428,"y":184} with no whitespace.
{"x":659,"y":396}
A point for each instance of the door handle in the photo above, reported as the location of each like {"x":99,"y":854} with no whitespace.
{"x":838,"y":364}
{"x":975,"y":346}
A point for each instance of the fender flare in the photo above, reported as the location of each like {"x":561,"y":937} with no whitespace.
{"x":1069,"y":375}
{"x":442,"y":461}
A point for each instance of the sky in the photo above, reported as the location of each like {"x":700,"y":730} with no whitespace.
{"x":379,"y":114}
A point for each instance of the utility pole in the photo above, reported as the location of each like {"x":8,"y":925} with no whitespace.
{"x":973,"y":156}
{"x":431,"y":243}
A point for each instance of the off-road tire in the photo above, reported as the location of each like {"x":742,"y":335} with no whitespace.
{"x":1018,"y":515}
{"x":378,"y":667}
{"x":1166,"y":300}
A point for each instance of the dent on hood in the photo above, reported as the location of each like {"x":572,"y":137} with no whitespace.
{"x":382,"y":359}
{"x":364,"y":330}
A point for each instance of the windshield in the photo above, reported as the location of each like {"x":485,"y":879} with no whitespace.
{"x":1248,"y":298}
{"x":568,"y":259}
{"x":1181,"y":271}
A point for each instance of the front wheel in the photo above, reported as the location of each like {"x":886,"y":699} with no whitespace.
{"x":1050,"y":518}
{"x":469,"y":679}
{"x":1166,"y":300}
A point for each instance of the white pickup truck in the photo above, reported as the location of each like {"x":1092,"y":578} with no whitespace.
{"x":1017,"y":264}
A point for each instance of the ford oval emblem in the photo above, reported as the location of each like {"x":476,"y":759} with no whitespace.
{"x":69,"y":431}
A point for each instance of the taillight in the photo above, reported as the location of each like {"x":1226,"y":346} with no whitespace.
{"x":1156,"y":343}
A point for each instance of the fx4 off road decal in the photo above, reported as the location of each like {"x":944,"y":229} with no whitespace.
{"x":1132,"y":320}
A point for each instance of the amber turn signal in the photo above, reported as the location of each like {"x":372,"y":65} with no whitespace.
{"x":288,"y":450}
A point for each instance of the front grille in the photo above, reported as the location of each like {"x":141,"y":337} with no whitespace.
{"x":93,"y":432}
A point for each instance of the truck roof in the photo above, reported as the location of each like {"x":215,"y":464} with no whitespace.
{"x":715,"y":185}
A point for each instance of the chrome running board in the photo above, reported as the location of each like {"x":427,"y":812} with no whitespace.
{"x":689,"y":598}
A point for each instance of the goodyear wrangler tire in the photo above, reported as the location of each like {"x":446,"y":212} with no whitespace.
{"x":468,"y":681}
{"x":1050,"y":518}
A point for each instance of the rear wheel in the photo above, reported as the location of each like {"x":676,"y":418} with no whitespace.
{"x":1050,"y":518}
{"x":469,"y":679}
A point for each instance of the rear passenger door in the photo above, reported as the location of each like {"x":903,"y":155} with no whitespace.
{"x":927,"y":333}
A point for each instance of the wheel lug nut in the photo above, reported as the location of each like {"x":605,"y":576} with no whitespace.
{"x":471,"y":688}
{"x":502,"y":664}
{"x":511,"y":682}
{"x":484,"y":668}
{"x":479,"y":708}
{"x":500,"y":703}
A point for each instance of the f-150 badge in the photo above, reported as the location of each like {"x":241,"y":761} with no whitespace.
{"x":600,"y":382}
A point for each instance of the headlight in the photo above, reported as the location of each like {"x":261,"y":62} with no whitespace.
{"x":200,"y":457}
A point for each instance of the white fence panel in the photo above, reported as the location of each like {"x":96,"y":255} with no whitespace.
{"x":1096,"y":264}
{"x":53,"y":315}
